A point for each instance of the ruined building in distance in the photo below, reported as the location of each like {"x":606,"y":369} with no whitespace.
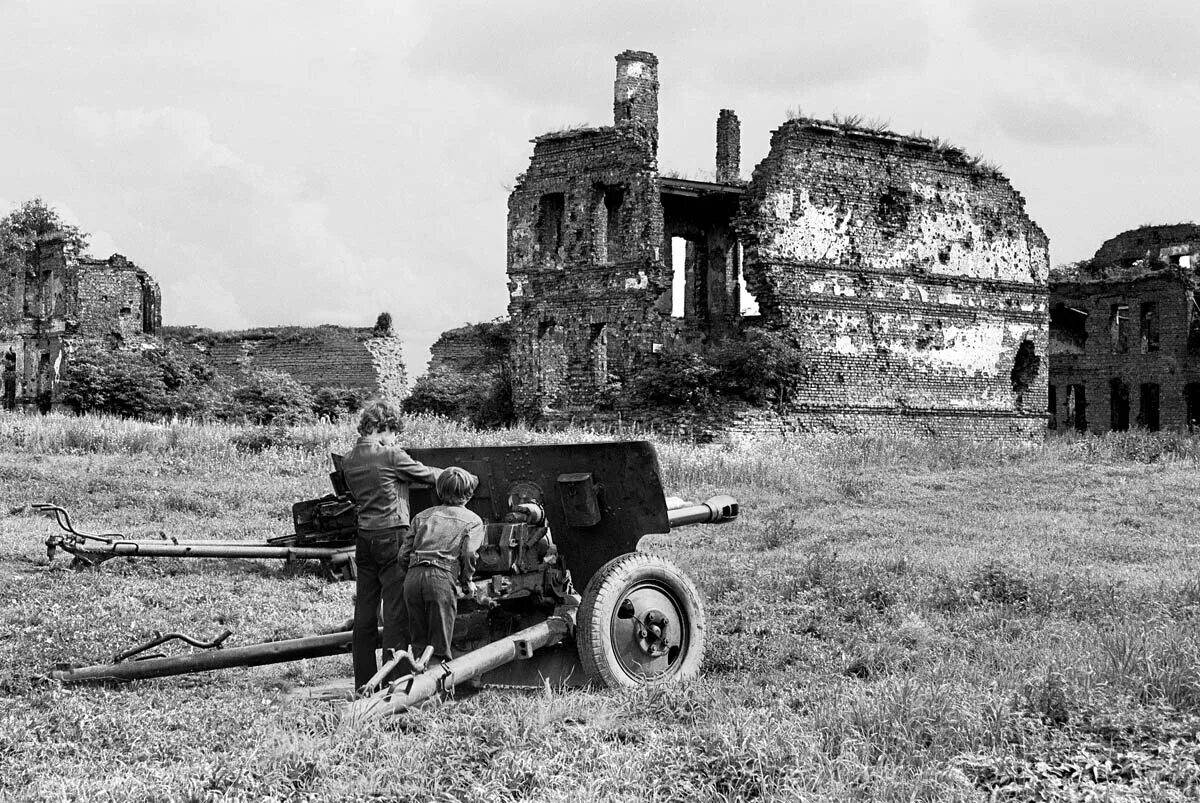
{"x":49,"y":300}
{"x":909,"y":273}
{"x":1125,"y":334}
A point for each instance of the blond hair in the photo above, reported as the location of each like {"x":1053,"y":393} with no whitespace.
{"x":455,"y":486}
{"x":380,"y":416}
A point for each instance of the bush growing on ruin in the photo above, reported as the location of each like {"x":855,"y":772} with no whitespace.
{"x":330,"y":404}
{"x":454,"y":395}
{"x":763,"y":367}
{"x":675,"y":377}
{"x":272,"y":397}
{"x":122,"y":383}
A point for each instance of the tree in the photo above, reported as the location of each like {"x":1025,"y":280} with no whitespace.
{"x":383,"y":325}
{"x":20,"y":229}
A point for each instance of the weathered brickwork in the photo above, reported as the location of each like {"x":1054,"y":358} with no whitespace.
{"x":911,"y":275}
{"x":1125,"y":334}
{"x":320,"y":356}
{"x":479,"y":351}
{"x":53,"y":303}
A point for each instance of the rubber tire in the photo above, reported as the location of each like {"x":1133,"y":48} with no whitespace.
{"x":604,"y":592}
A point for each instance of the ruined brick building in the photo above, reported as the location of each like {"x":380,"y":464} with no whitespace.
{"x":910,"y":274}
{"x":360,"y":359}
{"x":48,"y":302}
{"x":1125,"y":334}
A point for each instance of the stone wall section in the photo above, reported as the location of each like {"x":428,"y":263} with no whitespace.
{"x":52,"y":304}
{"x":319,"y":357}
{"x":1125,"y":334}
{"x":586,"y":276}
{"x":911,"y":275}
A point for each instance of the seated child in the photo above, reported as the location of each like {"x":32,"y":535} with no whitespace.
{"x":439,"y":554}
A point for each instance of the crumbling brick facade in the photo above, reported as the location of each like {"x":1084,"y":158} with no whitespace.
{"x":340,"y":357}
{"x":910,"y":274}
{"x":1125,"y":334}
{"x":51,"y":303}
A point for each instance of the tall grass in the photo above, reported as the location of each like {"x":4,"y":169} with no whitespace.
{"x":890,"y":619}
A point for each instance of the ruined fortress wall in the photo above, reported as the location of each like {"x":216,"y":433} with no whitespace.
{"x":318,"y":357}
{"x":114,"y":297}
{"x":586,"y":275}
{"x":912,"y":277}
{"x":1116,"y":363}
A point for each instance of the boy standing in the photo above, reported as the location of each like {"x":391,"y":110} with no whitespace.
{"x":378,"y":473}
{"x":439,"y":555}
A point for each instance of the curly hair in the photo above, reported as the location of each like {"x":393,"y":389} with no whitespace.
{"x":380,"y":416}
{"x":455,"y":486}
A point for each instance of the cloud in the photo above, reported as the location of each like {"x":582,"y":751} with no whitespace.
{"x":550,"y":51}
{"x":1153,"y":40}
{"x":1066,"y":122}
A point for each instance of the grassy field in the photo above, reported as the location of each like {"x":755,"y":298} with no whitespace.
{"x":889,"y":620}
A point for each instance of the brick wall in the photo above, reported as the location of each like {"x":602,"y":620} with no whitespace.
{"x":326,"y":356}
{"x":911,"y":275}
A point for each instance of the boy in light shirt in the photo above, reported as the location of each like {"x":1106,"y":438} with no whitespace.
{"x":438,"y":555}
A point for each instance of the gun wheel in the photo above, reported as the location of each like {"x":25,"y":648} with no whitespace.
{"x":640,"y":622}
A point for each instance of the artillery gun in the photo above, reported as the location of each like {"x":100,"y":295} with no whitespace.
{"x":557,"y":517}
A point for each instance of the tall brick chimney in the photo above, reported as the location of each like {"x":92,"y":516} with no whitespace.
{"x":729,"y":147}
{"x":635,"y":93}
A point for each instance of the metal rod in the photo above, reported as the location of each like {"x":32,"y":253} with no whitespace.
{"x":408,"y":692}
{"x":716,"y":509}
{"x":270,"y":652}
{"x":201,"y":549}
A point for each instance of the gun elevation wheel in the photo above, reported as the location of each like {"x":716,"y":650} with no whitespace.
{"x":640,"y":622}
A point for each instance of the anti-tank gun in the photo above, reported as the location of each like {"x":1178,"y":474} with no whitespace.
{"x":563,"y":596}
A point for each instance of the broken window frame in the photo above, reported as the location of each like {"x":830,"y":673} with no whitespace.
{"x":1150,"y":406}
{"x":1148,"y":326}
{"x":552,"y":209}
{"x":1118,"y":405}
{"x":1119,"y":328}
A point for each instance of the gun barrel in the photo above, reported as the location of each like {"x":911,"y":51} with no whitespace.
{"x":716,"y":509}
{"x":415,"y":689}
{"x":270,"y":652}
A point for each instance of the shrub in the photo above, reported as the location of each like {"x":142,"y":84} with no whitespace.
{"x":675,"y":377}
{"x":763,"y":367}
{"x":123,"y":383}
{"x":330,"y":404}
{"x":485,"y":403}
{"x":272,"y":397}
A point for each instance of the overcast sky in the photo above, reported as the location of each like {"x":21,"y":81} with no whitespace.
{"x":318,"y":162}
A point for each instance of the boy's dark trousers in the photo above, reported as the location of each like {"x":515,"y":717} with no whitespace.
{"x":432,"y":601}
{"x":376,"y":553}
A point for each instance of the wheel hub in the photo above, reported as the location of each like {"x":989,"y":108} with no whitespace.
{"x":648,"y":631}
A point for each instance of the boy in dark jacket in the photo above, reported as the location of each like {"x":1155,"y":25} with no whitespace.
{"x":378,"y":473}
{"x":439,"y":553}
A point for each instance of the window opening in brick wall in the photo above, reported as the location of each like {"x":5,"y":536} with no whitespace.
{"x":1148,"y":413}
{"x":747,"y":303}
{"x":1118,"y":405}
{"x":598,"y":354}
{"x":1191,"y":397}
{"x":1077,"y":407}
{"x":1052,"y":407}
{"x":613,"y":198}
{"x":1149,"y":326}
{"x":679,"y":276}
{"x":126,"y":310}
{"x":1068,"y":328}
{"x":1119,"y":328}
{"x":1194,"y":321}
{"x":1025,"y":369}
{"x":550,"y":223}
